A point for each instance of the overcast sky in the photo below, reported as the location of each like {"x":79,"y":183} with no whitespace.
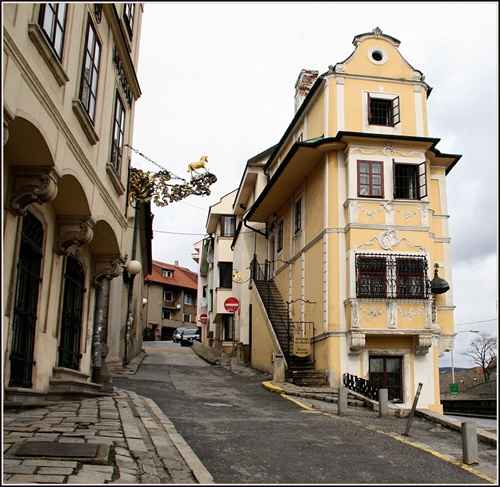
{"x":218,"y":79}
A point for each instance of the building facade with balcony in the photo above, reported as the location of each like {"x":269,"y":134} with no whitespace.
{"x":70,"y":231}
{"x":353,"y":266}
{"x":171,"y":300}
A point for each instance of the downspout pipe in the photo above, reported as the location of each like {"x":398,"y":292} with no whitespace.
{"x":255,"y":229}
{"x":97,"y":338}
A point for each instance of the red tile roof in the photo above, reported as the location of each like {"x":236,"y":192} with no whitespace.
{"x":182,"y":277}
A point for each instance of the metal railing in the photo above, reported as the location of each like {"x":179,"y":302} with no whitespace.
{"x":362,"y":386}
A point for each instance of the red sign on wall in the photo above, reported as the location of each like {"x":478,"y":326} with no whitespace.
{"x":231,"y":304}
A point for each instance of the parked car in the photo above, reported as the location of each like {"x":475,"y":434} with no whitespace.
{"x":189,"y":335}
{"x":178,"y":334}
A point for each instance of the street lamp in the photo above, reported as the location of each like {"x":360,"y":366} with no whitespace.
{"x":452,"y":366}
{"x":133,"y":268}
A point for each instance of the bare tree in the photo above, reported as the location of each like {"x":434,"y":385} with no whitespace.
{"x":482,"y":350}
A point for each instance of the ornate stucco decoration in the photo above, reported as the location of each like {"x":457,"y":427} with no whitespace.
{"x":340,"y":68}
{"x":73,"y":230}
{"x":408,"y":214}
{"x":388,"y":151}
{"x":355,"y":314}
{"x":392,"y":312}
{"x":357,"y":341}
{"x":373,"y":312}
{"x":388,"y":239}
{"x":411,"y":313}
{"x":370,"y":214}
{"x":422,"y":343}
{"x":446,"y":343}
{"x":146,"y":186}
{"x":33,"y":185}
{"x":107,"y":267}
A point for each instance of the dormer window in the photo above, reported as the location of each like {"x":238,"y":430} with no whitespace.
{"x":167,"y":273}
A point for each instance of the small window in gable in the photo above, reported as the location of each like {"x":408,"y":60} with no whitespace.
{"x":167,"y":273}
{"x":383,"y":111}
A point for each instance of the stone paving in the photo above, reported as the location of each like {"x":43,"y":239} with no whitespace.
{"x":136,"y":444}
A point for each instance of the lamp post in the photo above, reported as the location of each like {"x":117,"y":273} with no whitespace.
{"x":133,"y":268}
{"x":452,"y":366}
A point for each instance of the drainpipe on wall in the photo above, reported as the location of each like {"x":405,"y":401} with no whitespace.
{"x":97,"y":337}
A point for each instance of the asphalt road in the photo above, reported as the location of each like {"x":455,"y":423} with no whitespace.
{"x":245,"y":434}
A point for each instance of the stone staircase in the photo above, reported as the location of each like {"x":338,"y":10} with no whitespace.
{"x":65,"y":385}
{"x":301,"y":370}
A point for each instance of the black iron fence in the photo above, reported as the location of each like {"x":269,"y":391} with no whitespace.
{"x":362,"y":386}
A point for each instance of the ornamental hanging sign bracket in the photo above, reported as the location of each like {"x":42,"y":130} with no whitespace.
{"x":146,"y":186}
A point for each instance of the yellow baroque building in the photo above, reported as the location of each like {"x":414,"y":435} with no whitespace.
{"x":353,"y":280}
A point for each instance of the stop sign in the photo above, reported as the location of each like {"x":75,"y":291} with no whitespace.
{"x":203,"y":318}
{"x":231,"y":304}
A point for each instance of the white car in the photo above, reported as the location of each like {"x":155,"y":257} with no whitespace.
{"x":178,"y":334}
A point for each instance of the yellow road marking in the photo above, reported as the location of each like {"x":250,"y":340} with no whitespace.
{"x":464,"y":466}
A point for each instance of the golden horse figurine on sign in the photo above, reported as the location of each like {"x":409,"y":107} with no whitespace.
{"x":201,"y":164}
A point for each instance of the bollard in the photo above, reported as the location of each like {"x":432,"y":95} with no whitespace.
{"x":469,"y":443}
{"x":342,"y":404}
{"x":383,"y":403}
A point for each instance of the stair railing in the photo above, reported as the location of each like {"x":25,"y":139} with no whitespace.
{"x":362,"y":386}
{"x":261,"y":274}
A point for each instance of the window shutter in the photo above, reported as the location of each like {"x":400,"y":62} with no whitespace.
{"x":395,"y":111}
{"x":369,"y":109}
{"x":422,"y":180}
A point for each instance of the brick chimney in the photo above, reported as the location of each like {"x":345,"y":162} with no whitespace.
{"x":306,"y":79}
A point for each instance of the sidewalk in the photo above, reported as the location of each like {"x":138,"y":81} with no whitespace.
{"x":76,"y":443}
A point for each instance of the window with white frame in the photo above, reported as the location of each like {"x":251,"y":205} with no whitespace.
{"x":383,"y":110}
{"x":391,"y":276}
{"x":188,"y":299}
{"x":168,"y":295}
{"x":186,"y":318}
{"x":371,"y":179}
{"x":228,"y":225}
{"x":166,"y":314}
{"x":167,"y":273}
{"x":410,"y":181}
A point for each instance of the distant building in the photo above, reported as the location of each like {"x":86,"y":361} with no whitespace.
{"x":171,"y":292}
